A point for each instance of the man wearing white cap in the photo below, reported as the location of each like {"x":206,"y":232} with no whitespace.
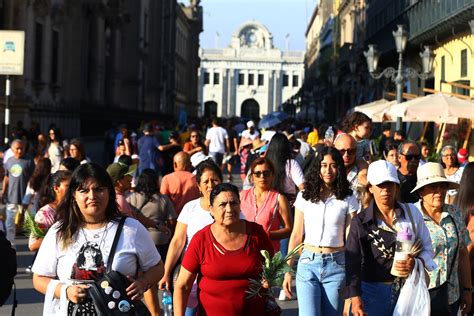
{"x":250,"y":132}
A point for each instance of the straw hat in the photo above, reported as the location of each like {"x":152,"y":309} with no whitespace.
{"x":432,"y":172}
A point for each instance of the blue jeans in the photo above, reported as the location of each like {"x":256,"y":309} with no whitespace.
{"x":318,"y":280}
{"x":190,"y":311}
{"x":378,"y":298}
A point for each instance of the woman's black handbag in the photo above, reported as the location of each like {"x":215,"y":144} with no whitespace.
{"x":109,"y":293}
{"x":439,"y":295}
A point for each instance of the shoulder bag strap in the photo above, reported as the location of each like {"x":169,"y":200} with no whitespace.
{"x":275,"y":211}
{"x":448,"y":274}
{"x":405,"y":206}
{"x":114,"y":243}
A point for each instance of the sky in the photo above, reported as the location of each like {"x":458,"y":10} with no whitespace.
{"x":281,"y":17}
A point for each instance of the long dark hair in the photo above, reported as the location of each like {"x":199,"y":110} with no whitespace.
{"x":80,"y":147}
{"x":41,"y":172}
{"x":279,"y":152}
{"x":68,"y":214}
{"x":314,"y":183}
{"x":147,"y":183}
{"x":47,"y":194}
{"x":465,"y":197}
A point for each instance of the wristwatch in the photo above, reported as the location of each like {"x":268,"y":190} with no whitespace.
{"x":467,"y":289}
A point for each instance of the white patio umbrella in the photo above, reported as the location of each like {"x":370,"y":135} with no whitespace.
{"x":375,"y":110}
{"x":439,"y":107}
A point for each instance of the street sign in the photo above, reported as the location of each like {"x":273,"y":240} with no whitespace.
{"x":12,"y":51}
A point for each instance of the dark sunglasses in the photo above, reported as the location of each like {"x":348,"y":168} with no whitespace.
{"x":350,"y":151}
{"x":265,"y":173}
{"x":411,"y":157}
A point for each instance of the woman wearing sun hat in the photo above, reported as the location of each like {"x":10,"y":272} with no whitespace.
{"x":450,"y":284}
{"x":370,"y":245}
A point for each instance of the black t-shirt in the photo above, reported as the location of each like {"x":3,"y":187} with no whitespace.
{"x":407,"y":183}
{"x":232,"y":135}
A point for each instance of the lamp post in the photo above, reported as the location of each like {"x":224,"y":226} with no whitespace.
{"x":398,"y":75}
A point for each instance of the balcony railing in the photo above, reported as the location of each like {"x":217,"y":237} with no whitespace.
{"x":425,"y":15}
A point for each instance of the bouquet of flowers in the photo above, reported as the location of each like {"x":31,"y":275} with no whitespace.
{"x":32,"y":228}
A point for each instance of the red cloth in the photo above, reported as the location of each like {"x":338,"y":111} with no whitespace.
{"x":264,"y":215}
{"x":181,"y":187}
{"x":224,"y":278}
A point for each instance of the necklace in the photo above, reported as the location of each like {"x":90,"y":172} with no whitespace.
{"x":257,"y":212}
{"x":96,"y":235}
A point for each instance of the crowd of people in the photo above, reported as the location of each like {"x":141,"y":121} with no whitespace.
{"x":338,"y":190}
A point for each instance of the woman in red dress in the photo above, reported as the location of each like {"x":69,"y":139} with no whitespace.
{"x":224,"y":256}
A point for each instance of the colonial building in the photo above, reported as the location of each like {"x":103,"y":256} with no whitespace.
{"x":250,"y":77}
{"x":89,"y":64}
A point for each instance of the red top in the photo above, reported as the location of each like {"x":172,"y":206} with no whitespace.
{"x":223,"y":275}
{"x":266,"y":215}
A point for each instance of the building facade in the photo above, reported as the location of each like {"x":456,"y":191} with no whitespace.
{"x":90,"y":64}
{"x":250,"y":77}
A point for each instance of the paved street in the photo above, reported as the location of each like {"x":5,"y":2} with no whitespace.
{"x":30,"y":302}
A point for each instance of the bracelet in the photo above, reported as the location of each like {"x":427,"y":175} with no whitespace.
{"x":467,"y":289}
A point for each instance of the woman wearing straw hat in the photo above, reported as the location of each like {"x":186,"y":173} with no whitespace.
{"x":370,"y":245}
{"x":450,"y":285}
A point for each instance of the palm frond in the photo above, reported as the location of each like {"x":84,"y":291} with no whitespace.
{"x":31,"y":227}
{"x":273,"y":271}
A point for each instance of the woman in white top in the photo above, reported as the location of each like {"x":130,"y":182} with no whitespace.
{"x":322,"y":214}
{"x":76,"y":248}
{"x":55,"y":149}
{"x":452,"y":169}
{"x":194,"y":216}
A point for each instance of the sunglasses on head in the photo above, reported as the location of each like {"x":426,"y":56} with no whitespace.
{"x":265,"y":173}
{"x":411,"y":157}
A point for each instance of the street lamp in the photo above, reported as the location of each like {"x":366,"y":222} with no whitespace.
{"x":398,"y":75}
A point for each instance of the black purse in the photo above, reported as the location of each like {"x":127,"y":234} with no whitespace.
{"x":439,"y":295}
{"x":109,"y":294}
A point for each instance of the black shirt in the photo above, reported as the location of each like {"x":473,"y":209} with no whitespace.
{"x":369,"y":252}
{"x":407,"y":183}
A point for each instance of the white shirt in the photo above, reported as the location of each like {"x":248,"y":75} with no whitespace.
{"x":134,"y":247}
{"x":246,"y":134}
{"x":267,"y":135}
{"x":195,"y":217}
{"x":294,"y":176}
{"x":325,"y":222}
{"x":217,"y":136}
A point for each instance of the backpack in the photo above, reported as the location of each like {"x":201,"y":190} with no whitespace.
{"x":7,"y":268}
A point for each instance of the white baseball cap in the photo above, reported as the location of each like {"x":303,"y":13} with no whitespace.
{"x":381,"y":171}
{"x":250,"y":124}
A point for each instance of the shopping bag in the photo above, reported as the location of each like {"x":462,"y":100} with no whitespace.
{"x":414,"y":297}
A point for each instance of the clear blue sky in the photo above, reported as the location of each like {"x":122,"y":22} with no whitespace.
{"x":281,"y":17}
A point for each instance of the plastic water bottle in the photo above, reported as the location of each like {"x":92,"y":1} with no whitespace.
{"x":167,"y":303}
{"x":329,"y":136}
{"x":402,"y":249}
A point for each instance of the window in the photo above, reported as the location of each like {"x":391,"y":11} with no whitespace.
{"x":443,"y":68}
{"x":260,"y":79}
{"x":206,"y":78}
{"x":55,"y":57}
{"x":285,"y":80}
{"x":241,"y":79}
{"x":464,"y":63}
{"x":251,"y":81}
{"x":295,"y":80}
{"x":216,"y":78}
{"x":38,"y":50}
